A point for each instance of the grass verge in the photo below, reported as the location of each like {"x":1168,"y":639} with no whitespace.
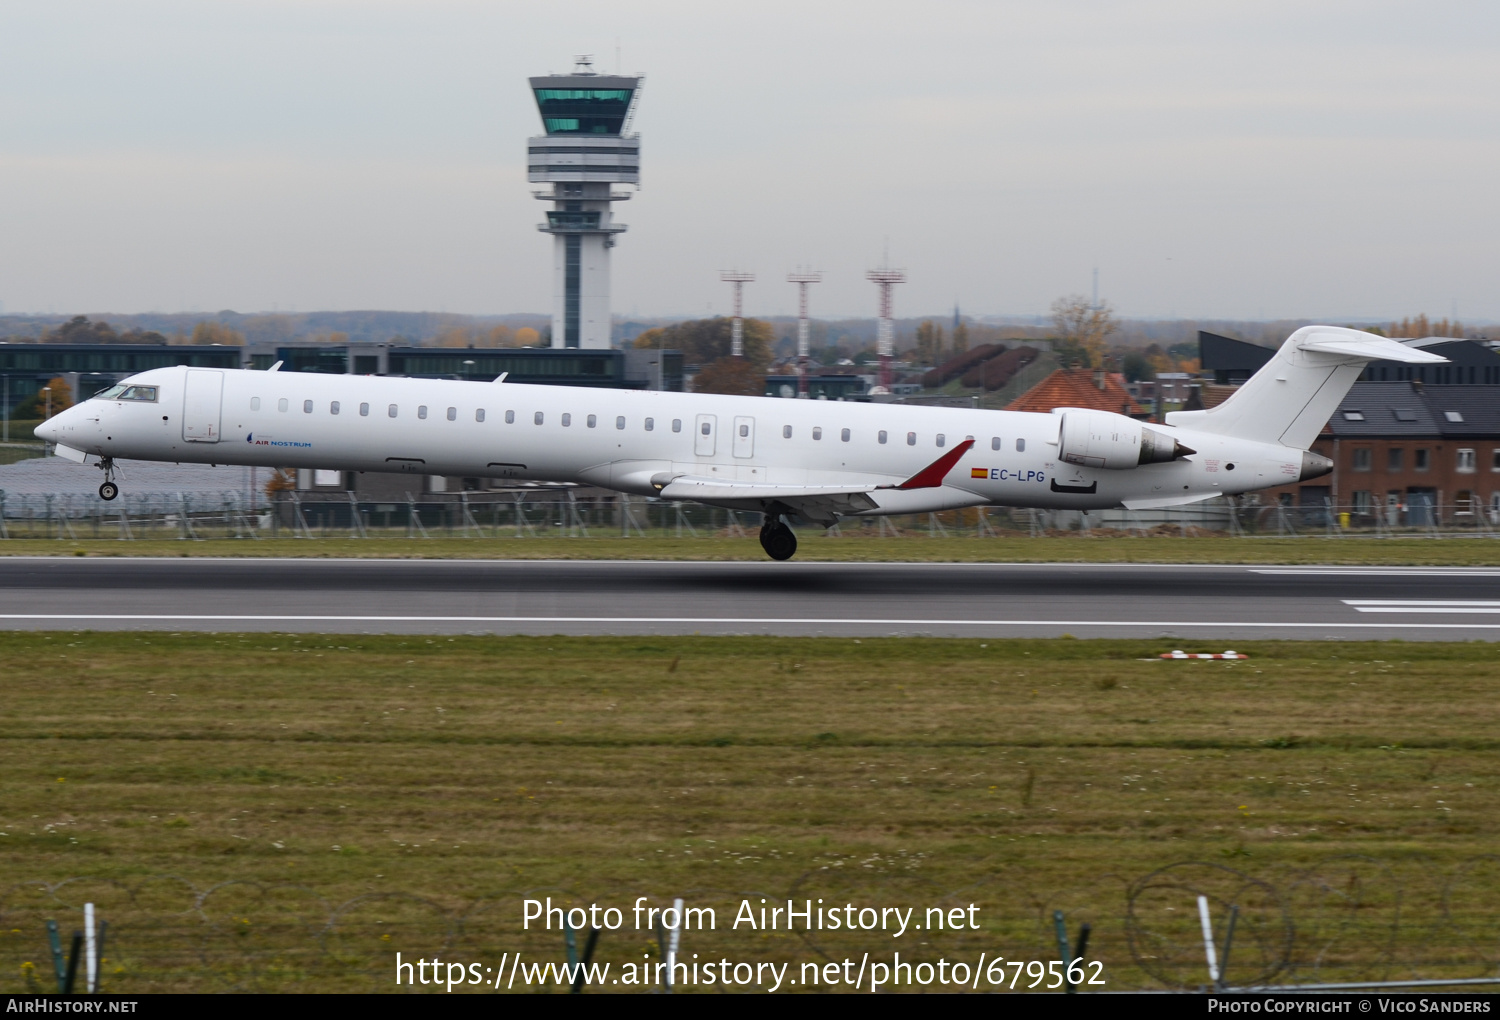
{"x":814,"y":546}
{"x":286,"y":812}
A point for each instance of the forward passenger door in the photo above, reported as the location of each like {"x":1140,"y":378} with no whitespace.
{"x":202,"y":405}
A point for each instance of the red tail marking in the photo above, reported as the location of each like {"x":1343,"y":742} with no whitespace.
{"x":931,"y":476}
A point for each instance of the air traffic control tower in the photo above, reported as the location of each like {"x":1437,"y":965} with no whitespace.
{"x":586,"y":151}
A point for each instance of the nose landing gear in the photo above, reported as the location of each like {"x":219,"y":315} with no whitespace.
{"x":108,"y":490}
{"x":778,"y":540}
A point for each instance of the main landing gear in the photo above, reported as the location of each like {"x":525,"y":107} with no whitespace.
{"x":109,"y":490}
{"x":778,"y":540}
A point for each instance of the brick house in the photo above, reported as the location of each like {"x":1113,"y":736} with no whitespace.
{"x":1414,"y":454}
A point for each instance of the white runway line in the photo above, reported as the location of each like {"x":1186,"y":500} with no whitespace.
{"x":1424,"y":605}
{"x":735,"y":620}
{"x":1377,"y":571}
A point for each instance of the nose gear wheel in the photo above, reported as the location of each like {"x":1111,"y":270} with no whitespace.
{"x":108,"y":490}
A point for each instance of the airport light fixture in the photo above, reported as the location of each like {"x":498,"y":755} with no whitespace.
{"x":737,"y":278}
{"x":886,"y":279}
{"x":803,"y":278}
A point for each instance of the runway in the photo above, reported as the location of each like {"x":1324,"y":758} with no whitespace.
{"x":1202,"y":603}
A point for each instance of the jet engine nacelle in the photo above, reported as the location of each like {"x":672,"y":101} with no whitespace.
{"x":1101,"y":439}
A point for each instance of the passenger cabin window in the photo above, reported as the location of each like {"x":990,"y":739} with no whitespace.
{"x":844,"y":435}
{"x":650,"y":424}
{"x":391,"y":411}
{"x":817,"y":432}
{"x":744,"y":431}
{"x":880,"y":436}
{"x":536,"y":419}
{"x":706,"y":429}
{"x":479,"y":414}
{"x":307,"y":407}
{"x":942,"y":440}
{"x":592,"y":420}
{"x":995,"y":443}
{"x":620,"y":422}
{"x":510,"y":417}
{"x":676,"y":424}
{"x":333,"y":408}
{"x":1020,"y":446}
{"x":786,"y":432}
{"x":422,"y":411}
{"x":911,"y":439}
{"x":567,"y":420}
{"x":453,"y":414}
{"x":283,"y":404}
{"x":364,"y":410}
{"x":255,"y":403}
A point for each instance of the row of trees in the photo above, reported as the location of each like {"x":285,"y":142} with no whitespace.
{"x":709,"y":343}
{"x":36,"y":406}
{"x":930,"y":348}
{"x":498,"y":336}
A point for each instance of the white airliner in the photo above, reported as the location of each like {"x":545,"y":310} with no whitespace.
{"x":818,"y":460}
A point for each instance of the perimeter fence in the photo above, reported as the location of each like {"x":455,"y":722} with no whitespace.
{"x":1345,"y":919}
{"x":566,"y":512}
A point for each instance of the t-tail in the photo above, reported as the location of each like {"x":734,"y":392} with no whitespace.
{"x":1295,"y":393}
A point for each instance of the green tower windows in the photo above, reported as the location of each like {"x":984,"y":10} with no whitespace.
{"x":583,"y":111}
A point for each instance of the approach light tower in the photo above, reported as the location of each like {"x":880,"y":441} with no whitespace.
{"x":885,"y":330}
{"x":803,"y":278}
{"x":587,"y":149}
{"x":737,"y":329}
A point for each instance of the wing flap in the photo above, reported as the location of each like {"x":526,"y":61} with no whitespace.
{"x":850,"y":499}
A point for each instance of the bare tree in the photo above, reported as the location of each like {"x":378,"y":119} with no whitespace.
{"x":1084,"y":328}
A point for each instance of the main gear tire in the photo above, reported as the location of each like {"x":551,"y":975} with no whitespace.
{"x":778,"y":540}
{"x":108,"y":491}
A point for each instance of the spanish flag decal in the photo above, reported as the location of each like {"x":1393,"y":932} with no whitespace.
{"x":979,"y":472}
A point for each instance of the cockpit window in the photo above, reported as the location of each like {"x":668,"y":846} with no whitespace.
{"x":146,"y":394}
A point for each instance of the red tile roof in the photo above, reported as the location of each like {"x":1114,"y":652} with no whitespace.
{"x":1078,"y":387}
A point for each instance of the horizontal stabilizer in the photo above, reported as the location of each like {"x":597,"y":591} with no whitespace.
{"x":1370,"y":347}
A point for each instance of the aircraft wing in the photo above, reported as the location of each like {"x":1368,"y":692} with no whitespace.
{"x":823,"y":504}
{"x":817,"y":503}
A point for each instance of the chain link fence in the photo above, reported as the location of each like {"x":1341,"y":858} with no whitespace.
{"x":565,"y":512}
{"x":1344,"y":919}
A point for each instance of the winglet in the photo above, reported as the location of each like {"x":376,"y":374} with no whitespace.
{"x":276,"y":366}
{"x":931,"y":476}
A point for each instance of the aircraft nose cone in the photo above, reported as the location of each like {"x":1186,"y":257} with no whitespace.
{"x":47,"y":431}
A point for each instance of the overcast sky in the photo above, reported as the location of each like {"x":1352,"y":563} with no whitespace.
{"x":1231,"y":159}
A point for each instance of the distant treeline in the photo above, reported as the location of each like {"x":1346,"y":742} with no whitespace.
{"x":235,"y":327}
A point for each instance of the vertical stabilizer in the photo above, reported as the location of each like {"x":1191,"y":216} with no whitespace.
{"x":1292,"y":397}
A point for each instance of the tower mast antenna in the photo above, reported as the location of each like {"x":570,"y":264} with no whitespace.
{"x":803,"y":278}
{"x":886,"y":279}
{"x":738,"y":278}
